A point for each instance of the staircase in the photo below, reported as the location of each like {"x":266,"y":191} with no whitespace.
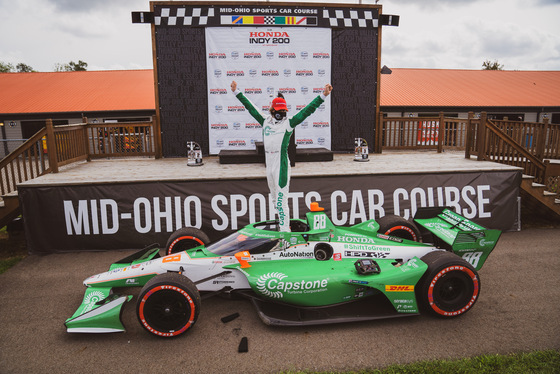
{"x":506,"y":142}
{"x":539,"y":192}
{"x":9,"y":208}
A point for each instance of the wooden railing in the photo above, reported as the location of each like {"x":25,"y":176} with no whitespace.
{"x":540,"y":139}
{"x":521,"y":144}
{"x":415,"y":133}
{"x":28,"y":161}
{"x":121,"y":139}
{"x":72,"y":143}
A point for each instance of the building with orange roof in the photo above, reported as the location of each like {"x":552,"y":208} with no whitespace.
{"x":28,"y":99}
{"x":525,"y":95}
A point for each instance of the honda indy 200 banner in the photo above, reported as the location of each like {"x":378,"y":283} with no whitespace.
{"x":265,"y":61}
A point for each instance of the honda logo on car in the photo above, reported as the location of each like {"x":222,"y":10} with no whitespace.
{"x":274,"y":285}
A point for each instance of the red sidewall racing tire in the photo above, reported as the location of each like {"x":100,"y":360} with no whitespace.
{"x":168,"y":305}
{"x":450,"y":287}
{"x":397,"y":226}
{"x":185,"y":238}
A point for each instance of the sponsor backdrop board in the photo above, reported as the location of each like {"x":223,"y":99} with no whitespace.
{"x":189,"y":93}
{"x":265,"y":61}
{"x":131,"y":216}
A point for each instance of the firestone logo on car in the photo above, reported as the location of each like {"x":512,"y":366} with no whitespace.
{"x":274,"y":285}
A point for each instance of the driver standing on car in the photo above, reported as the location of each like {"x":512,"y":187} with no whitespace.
{"x":277,"y":130}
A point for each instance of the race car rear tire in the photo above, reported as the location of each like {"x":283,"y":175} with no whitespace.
{"x":397,"y":226}
{"x":450,"y":286}
{"x":168,"y":305}
{"x":185,"y":238}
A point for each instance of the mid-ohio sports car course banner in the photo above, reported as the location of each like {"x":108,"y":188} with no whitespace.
{"x":134,"y":215}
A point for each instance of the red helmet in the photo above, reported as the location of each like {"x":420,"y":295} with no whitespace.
{"x":279,"y":104}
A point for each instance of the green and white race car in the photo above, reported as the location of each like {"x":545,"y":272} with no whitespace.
{"x":316,"y":274}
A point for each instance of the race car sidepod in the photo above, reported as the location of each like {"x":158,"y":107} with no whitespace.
{"x":309,"y":292}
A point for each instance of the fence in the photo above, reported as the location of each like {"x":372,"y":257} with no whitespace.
{"x":416,"y":133}
{"x":27,"y":162}
{"x":56,"y":146}
{"x":521,"y":144}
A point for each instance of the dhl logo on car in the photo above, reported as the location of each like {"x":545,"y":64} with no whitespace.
{"x":399,"y":288}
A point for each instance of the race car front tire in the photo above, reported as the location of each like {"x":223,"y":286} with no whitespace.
{"x":397,"y":226}
{"x":450,"y":286}
{"x":185,"y":238}
{"x":168,"y":305}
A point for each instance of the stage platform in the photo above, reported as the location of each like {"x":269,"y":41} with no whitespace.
{"x":130,"y":203}
{"x":175,"y":169}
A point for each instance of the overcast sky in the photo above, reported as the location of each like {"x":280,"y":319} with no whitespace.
{"x":445,"y":34}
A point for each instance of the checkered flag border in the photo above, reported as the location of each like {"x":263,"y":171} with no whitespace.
{"x":178,"y":17}
{"x":359,"y":18}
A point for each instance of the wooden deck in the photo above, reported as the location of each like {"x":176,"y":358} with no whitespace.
{"x":176,"y":169}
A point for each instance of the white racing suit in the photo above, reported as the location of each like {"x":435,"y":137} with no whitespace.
{"x":276,"y":137}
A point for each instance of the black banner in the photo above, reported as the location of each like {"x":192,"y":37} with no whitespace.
{"x":131,"y":216}
{"x":225,"y":15}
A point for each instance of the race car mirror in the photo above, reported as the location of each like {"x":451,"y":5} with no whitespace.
{"x":243,"y":257}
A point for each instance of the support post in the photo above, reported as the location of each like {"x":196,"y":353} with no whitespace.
{"x":481,"y":137}
{"x":378,"y":146}
{"x":469,"y":136}
{"x":441,"y":134}
{"x":541,"y":139}
{"x":51,"y":146}
{"x":86,"y":141}
{"x":157,"y":136}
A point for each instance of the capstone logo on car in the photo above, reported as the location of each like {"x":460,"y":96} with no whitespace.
{"x":92,"y":299}
{"x":273,"y":285}
{"x":486,"y":243}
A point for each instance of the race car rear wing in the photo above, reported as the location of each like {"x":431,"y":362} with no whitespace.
{"x":456,"y":233}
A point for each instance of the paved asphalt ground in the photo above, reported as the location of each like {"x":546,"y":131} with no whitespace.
{"x":518,"y":311}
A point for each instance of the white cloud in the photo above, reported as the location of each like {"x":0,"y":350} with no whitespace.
{"x":457,"y":34}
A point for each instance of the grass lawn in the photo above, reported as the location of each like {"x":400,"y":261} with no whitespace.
{"x":533,"y":362}
{"x":12,"y":248}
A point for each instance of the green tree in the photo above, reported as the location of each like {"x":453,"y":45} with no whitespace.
{"x":492,"y":65}
{"x":71,"y":66}
{"x":24,"y":68}
{"x":6,"y":67}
